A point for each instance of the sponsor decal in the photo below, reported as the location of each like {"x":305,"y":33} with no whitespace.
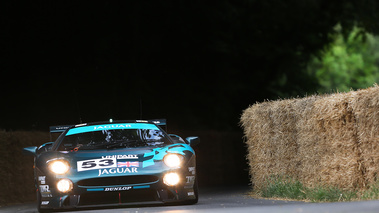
{"x":93,"y":128}
{"x":191,"y":193}
{"x":114,"y":189}
{"x":190,"y":179}
{"x":42,"y":179}
{"x":113,"y":126}
{"x":128,"y":164}
{"x":120,"y":156}
{"x":46,"y":194}
{"x":192,"y":170}
{"x":96,"y":164}
{"x":44,"y":188}
{"x":120,"y":170}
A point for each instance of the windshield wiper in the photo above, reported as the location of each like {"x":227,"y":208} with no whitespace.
{"x":94,"y":146}
{"x":115,"y":145}
{"x":119,"y":144}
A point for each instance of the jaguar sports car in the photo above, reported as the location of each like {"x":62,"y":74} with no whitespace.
{"x":114,"y":163}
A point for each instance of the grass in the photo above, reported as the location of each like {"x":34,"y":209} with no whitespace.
{"x":289,"y":188}
{"x":330,"y":194}
{"x":280,"y":187}
{"x":372,"y":193}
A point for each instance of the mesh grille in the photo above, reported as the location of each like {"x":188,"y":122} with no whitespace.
{"x":119,"y":180}
{"x":97,"y":198}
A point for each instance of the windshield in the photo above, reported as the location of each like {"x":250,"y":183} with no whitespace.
{"x":113,"y":136}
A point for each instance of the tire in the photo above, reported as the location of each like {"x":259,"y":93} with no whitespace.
{"x":39,"y":200}
{"x":196,"y":191}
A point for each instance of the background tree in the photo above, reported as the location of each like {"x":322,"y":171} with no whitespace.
{"x":350,"y":62}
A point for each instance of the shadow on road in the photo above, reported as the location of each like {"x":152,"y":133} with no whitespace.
{"x":211,"y":199}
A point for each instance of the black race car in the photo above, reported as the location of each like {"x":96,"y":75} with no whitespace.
{"x":114,"y":163}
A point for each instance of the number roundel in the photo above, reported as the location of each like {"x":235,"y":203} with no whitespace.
{"x":96,"y":164}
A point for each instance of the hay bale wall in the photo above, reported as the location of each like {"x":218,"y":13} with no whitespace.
{"x":320,"y":140}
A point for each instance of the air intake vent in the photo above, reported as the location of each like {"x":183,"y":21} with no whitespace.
{"x":121,"y":180}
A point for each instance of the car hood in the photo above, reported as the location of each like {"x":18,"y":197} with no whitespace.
{"x":128,"y":161}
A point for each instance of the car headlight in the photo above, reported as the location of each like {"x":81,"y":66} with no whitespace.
{"x":171,"y":179}
{"x":59,"y":166}
{"x":173,"y":160}
{"x":64,"y":185}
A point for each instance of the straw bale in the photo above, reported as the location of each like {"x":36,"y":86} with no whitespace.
{"x":271,"y":149}
{"x":284,"y":137}
{"x":365,"y":105}
{"x":337,"y":141}
{"x":256,"y":121}
{"x":308,"y":156}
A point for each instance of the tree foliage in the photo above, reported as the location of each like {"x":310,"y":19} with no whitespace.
{"x":350,"y":62}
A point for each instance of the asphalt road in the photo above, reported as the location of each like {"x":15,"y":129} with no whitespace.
{"x":228,"y":199}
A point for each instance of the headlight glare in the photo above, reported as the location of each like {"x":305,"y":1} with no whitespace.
{"x":171,"y":179}
{"x":173,"y":160}
{"x":59,"y":166}
{"x":64,"y":185}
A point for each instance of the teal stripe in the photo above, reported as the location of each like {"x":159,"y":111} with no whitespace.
{"x":141,"y":187}
{"x":95,"y":190}
{"x":147,"y":163}
{"x":94,"y":128}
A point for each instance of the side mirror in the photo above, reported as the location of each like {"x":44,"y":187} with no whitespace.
{"x":30,"y":150}
{"x":176,"y":138}
{"x":193,"y":141}
{"x":45,"y":147}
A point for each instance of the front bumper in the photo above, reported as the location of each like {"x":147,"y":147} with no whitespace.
{"x":94,"y":195}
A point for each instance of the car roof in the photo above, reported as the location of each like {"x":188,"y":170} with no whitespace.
{"x":62,"y":128}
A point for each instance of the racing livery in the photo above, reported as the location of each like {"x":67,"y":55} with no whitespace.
{"x":114,"y":163}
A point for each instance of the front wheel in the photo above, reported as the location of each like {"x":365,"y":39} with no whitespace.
{"x":39,"y":201}
{"x":196,"y":191}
